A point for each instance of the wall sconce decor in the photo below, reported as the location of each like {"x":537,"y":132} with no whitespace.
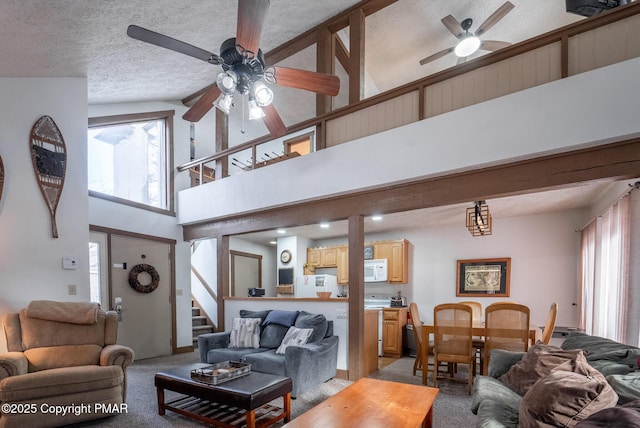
{"x":479,"y":219}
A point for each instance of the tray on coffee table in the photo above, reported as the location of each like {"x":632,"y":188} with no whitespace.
{"x":218,"y":373}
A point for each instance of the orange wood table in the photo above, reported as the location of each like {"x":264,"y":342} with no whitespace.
{"x":478,"y":330}
{"x":372,"y":403}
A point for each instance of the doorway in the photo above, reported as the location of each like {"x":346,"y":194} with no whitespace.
{"x":147,"y":314}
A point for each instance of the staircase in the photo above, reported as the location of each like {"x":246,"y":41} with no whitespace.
{"x":199,"y":323}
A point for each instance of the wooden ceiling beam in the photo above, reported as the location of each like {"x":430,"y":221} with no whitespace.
{"x":356,"y":56}
{"x":325,"y":63}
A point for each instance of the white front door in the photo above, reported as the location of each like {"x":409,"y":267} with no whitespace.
{"x":145,"y":324}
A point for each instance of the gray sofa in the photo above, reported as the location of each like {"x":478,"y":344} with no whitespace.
{"x":307,"y":365}
{"x":615,"y":364}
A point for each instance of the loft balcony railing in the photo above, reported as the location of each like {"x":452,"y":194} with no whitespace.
{"x":605,"y":39}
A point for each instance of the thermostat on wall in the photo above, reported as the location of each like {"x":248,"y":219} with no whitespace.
{"x":69,"y":263}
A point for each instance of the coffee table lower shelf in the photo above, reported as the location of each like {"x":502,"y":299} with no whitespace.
{"x":223,"y":415}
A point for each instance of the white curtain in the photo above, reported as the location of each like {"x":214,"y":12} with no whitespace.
{"x":605,"y":267}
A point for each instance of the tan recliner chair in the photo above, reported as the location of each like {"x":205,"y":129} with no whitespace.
{"x":61,"y":354}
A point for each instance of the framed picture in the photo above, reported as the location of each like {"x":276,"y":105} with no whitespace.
{"x":368,"y":252}
{"x":483,"y":277}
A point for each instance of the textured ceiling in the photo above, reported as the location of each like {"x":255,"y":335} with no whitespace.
{"x":76,"y":38}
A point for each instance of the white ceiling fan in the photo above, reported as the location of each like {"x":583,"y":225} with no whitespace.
{"x":470,"y":42}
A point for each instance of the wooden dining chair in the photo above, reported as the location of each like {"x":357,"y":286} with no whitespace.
{"x":453,"y":339}
{"x":478,"y":342}
{"x":417,"y":335}
{"x":550,"y":324}
{"x":506,"y":327}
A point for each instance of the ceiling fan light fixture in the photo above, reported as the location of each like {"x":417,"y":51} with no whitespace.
{"x":467,"y":46}
{"x":255,"y":112}
{"x":262,"y":94}
{"x":223,"y":103}
{"x":227,"y":81}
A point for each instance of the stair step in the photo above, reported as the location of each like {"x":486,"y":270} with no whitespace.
{"x":200,"y":329}
{"x":195,"y":311}
{"x":198,"y":320}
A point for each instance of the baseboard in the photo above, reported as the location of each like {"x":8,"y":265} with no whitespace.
{"x":183,"y":350}
{"x":342,"y":374}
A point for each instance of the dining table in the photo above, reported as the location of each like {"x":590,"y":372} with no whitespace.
{"x":478,"y":331}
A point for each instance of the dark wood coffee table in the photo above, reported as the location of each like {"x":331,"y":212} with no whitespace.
{"x":238,"y":402}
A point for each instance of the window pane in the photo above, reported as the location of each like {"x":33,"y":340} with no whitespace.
{"x":129,"y":161}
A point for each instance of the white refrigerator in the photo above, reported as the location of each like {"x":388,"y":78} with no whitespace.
{"x":308,"y":285}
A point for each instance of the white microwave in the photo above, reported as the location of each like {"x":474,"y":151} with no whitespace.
{"x":375,"y":270}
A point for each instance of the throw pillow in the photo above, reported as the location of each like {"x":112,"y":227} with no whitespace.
{"x":283,"y":318}
{"x":294,"y":337}
{"x":536,"y":363}
{"x":245,"y":333}
{"x":317,"y":322}
{"x":570,"y":393}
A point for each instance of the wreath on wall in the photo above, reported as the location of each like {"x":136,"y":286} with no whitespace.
{"x":137,"y":270}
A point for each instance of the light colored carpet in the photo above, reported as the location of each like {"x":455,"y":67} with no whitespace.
{"x":451,"y":408}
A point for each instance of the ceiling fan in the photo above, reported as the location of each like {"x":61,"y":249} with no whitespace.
{"x":243,"y":69}
{"x":469,"y":42}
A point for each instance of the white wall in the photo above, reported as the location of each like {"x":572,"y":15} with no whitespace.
{"x":549,"y":118}
{"x":268,"y":254}
{"x":30,"y":258}
{"x":126,"y":218}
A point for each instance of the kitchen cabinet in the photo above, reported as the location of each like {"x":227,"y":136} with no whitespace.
{"x":370,"y":341}
{"x":313,"y":256}
{"x":381,"y":250}
{"x":322,"y":257}
{"x":343,"y":265}
{"x":398,"y":262}
{"x":329,"y":257}
{"x":393,"y":321}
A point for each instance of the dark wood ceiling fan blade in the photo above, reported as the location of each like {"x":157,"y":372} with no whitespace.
{"x":436,"y":55}
{"x":273,"y":121}
{"x":321,"y":83}
{"x":144,"y":35}
{"x":453,"y":25}
{"x":203,"y":105}
{"x":251,"y":16}
{"x":494,"y":18}
{"x":493,"y":45}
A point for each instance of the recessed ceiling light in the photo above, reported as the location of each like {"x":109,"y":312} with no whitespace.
{"x":273,"y":242}
{"x":324,"y":225}
{"x":281,"y":231}
{"x":376,"y":217}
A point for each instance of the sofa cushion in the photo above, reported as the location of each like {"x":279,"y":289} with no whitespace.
{"x":487,"y":389}
{"x":627,"y":386}
{"x":571,"y":392}
{"x":536,"y":363}
{"x":254,"y":314}
{"x":295,"y":337}
{"x":626,"y":416}
{"x":267,"y":362}
{"x":60,"y":381}
{"x":245,"y":333}
{"x":317,"y":322}
{"x":272,"y":335}
{"x":502,"y":360}
{"x":52,"y":357}
{"x":283,"y":318}
{"x":218,"y":355}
